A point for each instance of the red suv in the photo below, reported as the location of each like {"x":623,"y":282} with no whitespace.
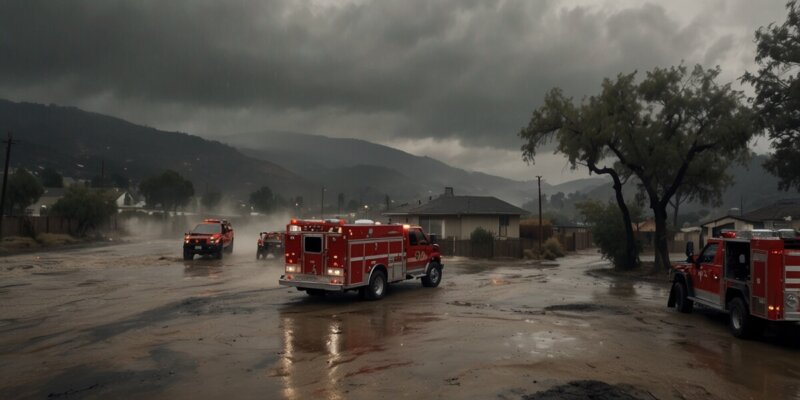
{"x":212,"y":236}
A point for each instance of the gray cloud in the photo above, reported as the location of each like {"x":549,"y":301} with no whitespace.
{"x":382,"y":70}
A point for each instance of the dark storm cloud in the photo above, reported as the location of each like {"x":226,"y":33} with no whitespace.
{"x":471,"y":70}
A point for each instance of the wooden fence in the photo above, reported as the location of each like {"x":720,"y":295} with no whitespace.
{"x":511,"y":248}
{"x":32,"y":226}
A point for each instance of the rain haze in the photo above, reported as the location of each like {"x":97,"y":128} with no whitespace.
{"x":448,"y":79}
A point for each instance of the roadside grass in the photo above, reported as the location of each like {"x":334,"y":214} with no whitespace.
{"x":13,"y":244}
{"x":56,"y":239}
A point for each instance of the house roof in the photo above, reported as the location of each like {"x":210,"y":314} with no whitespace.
{"x":461,"y":205}
{"x":780,"y":210}
{"x":721,"y":217}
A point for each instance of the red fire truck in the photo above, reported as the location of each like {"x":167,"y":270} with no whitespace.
{"x":754,"y":276}
{"x":333,"y":256}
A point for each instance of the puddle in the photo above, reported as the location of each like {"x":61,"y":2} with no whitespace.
{"x":591,"y":390}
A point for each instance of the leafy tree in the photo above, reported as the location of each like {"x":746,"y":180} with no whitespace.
{"x":606,"y":224}
{"x":168,"y":189}
{"x":211,"y":199}
{"x":777,"y":87}
{"x":705,"y":183}
{"x":23,"y":190}
{"x":582,"y":133}
{"x":263,"y":200}
{"x":51,"y":178}
{"x":557,"y":200}
{"x":88,"y":207}
{"x":656,"y":131}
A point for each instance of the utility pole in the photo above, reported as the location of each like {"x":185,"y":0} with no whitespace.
{"x":541,"y":228}
{"x":322,"y":204}
{"x":8,"y":143}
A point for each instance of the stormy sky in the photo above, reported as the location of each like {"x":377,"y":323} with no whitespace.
{"x":452,"y":79}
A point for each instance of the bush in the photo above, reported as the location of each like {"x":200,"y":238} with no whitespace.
{"x":553,"y":246}
{"x":608,"y":230}
{"x":88,"y":207}
{"x":481,"y":236}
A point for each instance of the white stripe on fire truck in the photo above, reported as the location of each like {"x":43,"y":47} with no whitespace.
{"x":793,"y":281}
{"x":793,"y":268}
{"x":373,"y":257}
{"x":792,"y":253}
{"x":363,"y":241}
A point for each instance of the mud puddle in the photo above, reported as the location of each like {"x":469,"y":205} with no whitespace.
{"x":594,"y":390}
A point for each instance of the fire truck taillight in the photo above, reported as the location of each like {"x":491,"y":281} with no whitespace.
{"x":294,"y":228}
{"x":335,"y":271}
{"x":406,"y":226}
{"x":291,"y":268}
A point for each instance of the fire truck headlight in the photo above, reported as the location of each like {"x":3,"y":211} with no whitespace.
{"x":335,"y":271}
{"x":291,"y":268}
{"x":791,"y":301}
{"x":294,"y":228}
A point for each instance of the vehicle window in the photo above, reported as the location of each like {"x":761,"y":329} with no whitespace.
{"x":421,"y":239}
{"x":207,"y":229}
{"x":312,"y":244}
{"x":709,"y":253}
{"x":412,"y":238}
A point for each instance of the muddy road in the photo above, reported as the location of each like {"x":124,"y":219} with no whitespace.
{"x":134,"y":320}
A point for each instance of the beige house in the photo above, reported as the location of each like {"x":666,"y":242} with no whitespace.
{"x":451,"y":216}
{"x":780,"y":215}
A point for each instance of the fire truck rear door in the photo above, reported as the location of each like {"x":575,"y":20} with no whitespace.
{"x":312,"y":248}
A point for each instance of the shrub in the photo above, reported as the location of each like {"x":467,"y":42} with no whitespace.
{"x":608,"y":230}
{"x":481,"y":236}
{"x":553,"y":246}
{"x":88,"y":207}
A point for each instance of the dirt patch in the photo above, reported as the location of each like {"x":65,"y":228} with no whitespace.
{"x":585,"y":308}
{"x":595,"y":390}
{"x":645,"y":272}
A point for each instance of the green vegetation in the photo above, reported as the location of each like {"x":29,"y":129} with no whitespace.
{"x":167,"y":190}
{"x":264,"y":201}
{"x":551,"y":249}
{"x":51,"y":178}
{"x":481,"y":237}
{"x":660,"y":132}
{"x":605,"y":221}
{"x":777,"y":96}
{"x":88,"y":207}
{"x":22,"y":191}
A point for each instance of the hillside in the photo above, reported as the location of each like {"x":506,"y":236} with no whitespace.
{"x":403,"y":176}
{"x":77,"y":143}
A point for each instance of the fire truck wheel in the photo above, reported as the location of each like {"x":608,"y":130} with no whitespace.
{"x":434,"y":276}
{"x":187,"y":255}
{"x":377,"y":286}
{"x":219,"y":252}
{"x":682,"y":303}
{"x":742,"y":325}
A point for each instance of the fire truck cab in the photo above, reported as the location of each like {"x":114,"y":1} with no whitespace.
{"x":754,"y":276}
{"x":333,"y":256}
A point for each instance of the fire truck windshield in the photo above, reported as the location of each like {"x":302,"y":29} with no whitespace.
{"x":207,"y":229}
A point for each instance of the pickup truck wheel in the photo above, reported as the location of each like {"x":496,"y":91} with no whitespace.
{"x":187,"y":255}
{"x":680,"y":293}
{"x":434,"y":276}
{"x":742,"y":324}
{"x":377,"y":286}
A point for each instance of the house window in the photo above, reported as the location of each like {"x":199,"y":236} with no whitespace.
{"x":432,"y":225}
{"x":503,"y":231}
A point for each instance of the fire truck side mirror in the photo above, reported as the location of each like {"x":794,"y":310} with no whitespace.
{"x":433,"y":238}
{"x":689,"y":250}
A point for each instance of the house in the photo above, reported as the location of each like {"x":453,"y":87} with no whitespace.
{"x":782,"y":214}
{"x":45,"y":202}
{"x":457,"y":217}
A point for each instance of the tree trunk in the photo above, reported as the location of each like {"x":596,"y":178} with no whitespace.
{"x":661,"y":241}
{"x":631,"y":252}
{"x":675,"y":213}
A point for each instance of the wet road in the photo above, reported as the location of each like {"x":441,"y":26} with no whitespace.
{"x":134,"y":320}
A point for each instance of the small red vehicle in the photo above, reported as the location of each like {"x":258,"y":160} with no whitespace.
{"x":269,"y":243}
{"x":332,"y":256}
{"x":212,"y":236}
{"x":754,"y":276}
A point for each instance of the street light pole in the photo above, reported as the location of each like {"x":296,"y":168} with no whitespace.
{"x":322,"y":204}
{"x":541,"y":228}
{"x":8,"y":143}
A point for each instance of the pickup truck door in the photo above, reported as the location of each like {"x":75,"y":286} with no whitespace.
{"x":707,"y":274}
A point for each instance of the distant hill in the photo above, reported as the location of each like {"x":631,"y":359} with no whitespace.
{"x":77,"y":142}
{"x":402,"y":175}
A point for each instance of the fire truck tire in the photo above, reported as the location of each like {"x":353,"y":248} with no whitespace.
{"x":742,"y":324}
{"x":377,"y":286}
{"x":188,"y":255}
{"x":218,"y":254}
{"x":434,"y":276}
{"x":680,"y":293}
